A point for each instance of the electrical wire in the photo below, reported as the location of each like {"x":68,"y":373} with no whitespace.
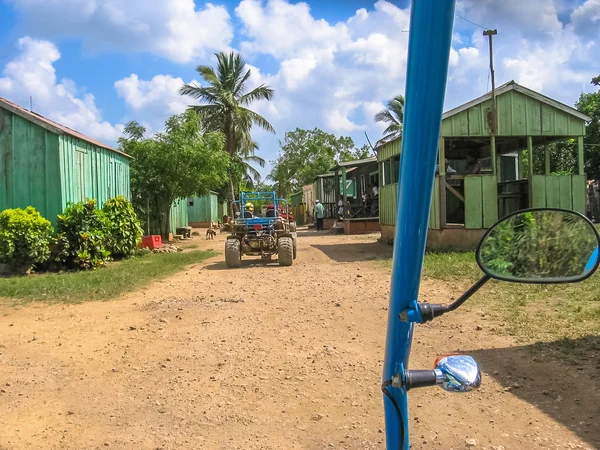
{"x":470,"y":21}
{"x":398,"y":412}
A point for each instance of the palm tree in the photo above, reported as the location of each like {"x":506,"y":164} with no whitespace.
{"x":394,"y":115}
{"x":245,"y":159}
{"x":225,"y":99}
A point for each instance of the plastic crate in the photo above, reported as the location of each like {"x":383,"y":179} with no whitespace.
{"x":152,"y":242}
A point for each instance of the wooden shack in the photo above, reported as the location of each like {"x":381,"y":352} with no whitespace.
{"x":465,"y":203}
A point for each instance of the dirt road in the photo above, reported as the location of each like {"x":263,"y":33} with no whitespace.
{"x":269,"y":358}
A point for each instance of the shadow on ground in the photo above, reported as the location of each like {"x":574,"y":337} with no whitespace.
{"x":352,"y":252}
{"x":246,"y":264}
{"x":560,"y":378}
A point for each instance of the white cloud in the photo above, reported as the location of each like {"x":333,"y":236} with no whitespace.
{"x":32,"y":73}
{"x":586,"y":19}
{"x":280,"y":28}
{"x":152,"y":101}
{"x":174,"y":29}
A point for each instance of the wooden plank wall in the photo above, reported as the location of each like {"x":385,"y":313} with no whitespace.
{"x":559,"y":191}
{"x":481,"y":201}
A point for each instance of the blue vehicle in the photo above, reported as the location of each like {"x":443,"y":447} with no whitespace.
{"x":531,"y":246}
{"x":261,"y":234}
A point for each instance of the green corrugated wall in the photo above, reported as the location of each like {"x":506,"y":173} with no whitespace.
{"x":45,"y":170}
{"x":88,"y":171}
{"x":179,"y":214}
{"x":388,"y":199}
{"x":205,"y":209}
{"x":389,"y":149}
{"x":29,"y":170}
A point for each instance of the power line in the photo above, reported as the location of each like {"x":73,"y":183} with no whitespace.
{"x":470,"y":21}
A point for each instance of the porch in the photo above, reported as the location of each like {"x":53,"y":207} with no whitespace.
{"x":483,"y":176}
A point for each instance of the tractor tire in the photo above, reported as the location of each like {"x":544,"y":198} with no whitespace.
{"x":233,"y":253}
{"x":294,"y":240}
{"x":292,"y":227}
{"x":285,"y":251}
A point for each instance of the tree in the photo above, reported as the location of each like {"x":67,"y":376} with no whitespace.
{"x":394,"y":116}
{"x":180,"y":162}
{"x":590,"y":104}
{"x":307,"y":153}
{"x":226,"y":97}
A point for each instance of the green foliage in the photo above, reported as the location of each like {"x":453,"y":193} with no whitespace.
{"x":590,"y":104}
{"x":393,"y":115}
{"x":225,"y":99}
{"x":83,"y":231}
{"x":308,"y":153}
{"x":25,"y":238}
{"x":125,"y":231}
{"x":180,"y":162}
{"x":540,"y":244}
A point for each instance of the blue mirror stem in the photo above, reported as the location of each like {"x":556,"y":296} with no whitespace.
{"x":592,"y":261}
{"x":428,"y":52}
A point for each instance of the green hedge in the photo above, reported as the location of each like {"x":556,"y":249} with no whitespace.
{"x":86,"y":237}
{"x":24,"y":238}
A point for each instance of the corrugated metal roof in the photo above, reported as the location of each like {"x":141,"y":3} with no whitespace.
{"x":357,"y":162}
{"x":52,"y":126}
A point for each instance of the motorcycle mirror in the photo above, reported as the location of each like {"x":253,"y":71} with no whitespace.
{"x":457,"y":373}
{"x":540,"y":246}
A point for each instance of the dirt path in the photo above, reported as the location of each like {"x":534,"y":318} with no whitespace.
{"x":268,"y":358}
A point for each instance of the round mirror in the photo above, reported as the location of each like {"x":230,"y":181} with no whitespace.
{"x":540,"y":246}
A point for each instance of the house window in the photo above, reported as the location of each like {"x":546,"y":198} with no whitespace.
{"x":191,"y":201}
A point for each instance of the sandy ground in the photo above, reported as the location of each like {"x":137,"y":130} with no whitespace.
{"x":265,"y":357}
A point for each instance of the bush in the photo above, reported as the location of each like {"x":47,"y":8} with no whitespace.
{"x":24,"y":238}
{"x":83,"y":232}
{"x":125,"y":231}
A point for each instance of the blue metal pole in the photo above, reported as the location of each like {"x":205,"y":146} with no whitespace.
{"x":428,"y":52}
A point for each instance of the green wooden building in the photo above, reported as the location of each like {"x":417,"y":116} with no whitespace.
{"x":466,"y":201}
{"x":46,"y":165}
{"x":204,"y":210}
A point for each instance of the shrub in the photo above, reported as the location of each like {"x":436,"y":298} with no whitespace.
{"x":125,"y":231}
{"x":24,"y":238}
{"x":82,"y":236}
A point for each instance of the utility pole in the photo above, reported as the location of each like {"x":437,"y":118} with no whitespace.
{"x":494,"y":117}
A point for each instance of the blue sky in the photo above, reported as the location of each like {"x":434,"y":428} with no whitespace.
{"x":96,"y":64}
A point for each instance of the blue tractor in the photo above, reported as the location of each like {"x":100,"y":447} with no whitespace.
{"x":258,"y":233}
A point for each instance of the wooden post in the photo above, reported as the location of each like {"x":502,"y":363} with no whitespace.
{"x":530,"y":164}
{"x":493,"y":153}
{"x":343,"y":183}
{"x":441,"y":158}
{"x":494,"y":127}
{"x":580,"y":163}
{"x":546,"y":160}
{"x":442,"y":182}
{"x":530,"y":155}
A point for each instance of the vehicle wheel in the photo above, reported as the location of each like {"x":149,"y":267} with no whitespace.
{"x":294,"y":245}
{"x":285,"y":251}
{"x":233,"y":253}
{"x":292,"y":227}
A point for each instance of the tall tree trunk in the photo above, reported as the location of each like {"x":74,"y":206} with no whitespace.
{"x":232,"y":208}
{"x":167,"y":228}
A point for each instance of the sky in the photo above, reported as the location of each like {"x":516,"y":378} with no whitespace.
{"x":94,"y":65}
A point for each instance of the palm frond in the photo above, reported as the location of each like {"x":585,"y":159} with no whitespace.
{"x":262,"y":92}
{"x":259,"y":120}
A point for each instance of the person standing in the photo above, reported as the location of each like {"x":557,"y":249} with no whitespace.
{"x":341,"y":208}
{"x":319,"y":214}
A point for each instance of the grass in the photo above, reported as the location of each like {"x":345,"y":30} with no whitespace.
{"x":567,"y":315}
{"x":101,"y":284}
